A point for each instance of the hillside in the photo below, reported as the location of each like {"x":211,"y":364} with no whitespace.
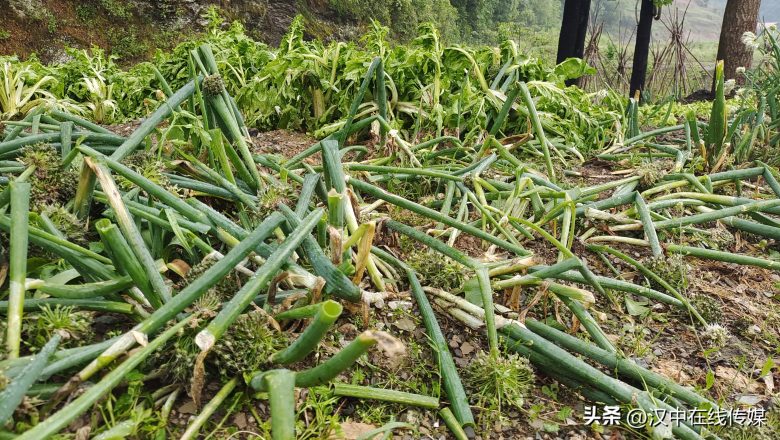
{"x":703,"y":18}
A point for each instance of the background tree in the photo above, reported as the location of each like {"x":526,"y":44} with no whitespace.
{"x":574,"y":27}
{"x":740,"y":16}
{"x":647,"y":13}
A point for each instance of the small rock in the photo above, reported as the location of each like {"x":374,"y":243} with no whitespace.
{"x":347,"y":328}
{"x":658,"y":352}
{"x":189,"y":407}
{"x":405,"y":324}
{"x":240,"y":420}
{"x":403,"y":305}
{"x":466,"y":348}
{"x":749,"y":399}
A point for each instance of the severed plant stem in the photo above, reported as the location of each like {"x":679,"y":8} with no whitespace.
{"x":281,"y":396}
{"x":17,"y":270}
{"x":372,"y":393}
{"x":328,"y":312}
{"x":209,"y":410}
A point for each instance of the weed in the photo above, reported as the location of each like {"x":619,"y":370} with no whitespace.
{"x":709,"y":308}
{"x":437,"y":271}
{"x":498,"y":382}
{"x":247,"y":345}
{"x":65,"y":222}
{"x":116,"y":8}
{"x":51,"y":184}
{"x":86,"y":13}
{"x":672,"y":268}
{"x":74,"y":326}
{"x":150,"y":166}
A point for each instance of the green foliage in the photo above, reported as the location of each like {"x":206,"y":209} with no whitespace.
{"x":50,"y":183}
{"x":247,"y":345}
{"x":436,"y":270}
{"x":498,"y":383}
{"x":402,"y":16}
{"x":40,"y":327}
{"x":86,"y":13}
{"x":117,"y":8}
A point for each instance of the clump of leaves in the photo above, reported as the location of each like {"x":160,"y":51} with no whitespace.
{"x":650,"y":172}
{"x":416,"y":189}
{"x":672,"y":268}
{"x":176,"y":361}
{"x":66,"y":222}
{"x":709,"y":308}
{"x":247,"y":344}
{"x":408,"y":217}
{"x":499,"y":381}
{"x":50,"y":183}
{"x":213,"y":85}
{"x":436,"y":270}
{"x":74,"y":325}
{"x":270,"y":196}
{"x":715,"y":335}
{"x":222,"y":291}
{"x":148,"y":165}
{"x":715,"y":238}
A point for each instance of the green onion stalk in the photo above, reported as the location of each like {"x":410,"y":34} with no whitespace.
{"x":384,"y":395}
{"x":176,"y":305}
{"x":452,"y":384}
{"x":123,"y":258}
{"x":209,"y":409}
{"x":206,"y":338}
{"x":62,"y":418}
{"x":328,"y":312}
{"x":14,"y":392}
{"x":160,"y":291}
{"x":281,"y":396}
{"x":17,"y":271}
{"x":650,"y":274}
{"x":483,"y":279}
{"x":328,"y":370}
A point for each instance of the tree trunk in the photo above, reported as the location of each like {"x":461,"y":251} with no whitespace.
{"x":740,"y":16}
{"x":574,"y":27}
{"x":642,"y":47}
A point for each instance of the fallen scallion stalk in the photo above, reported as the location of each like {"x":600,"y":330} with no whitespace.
{"x":281,"y":396}
{"x":57,"y":421}
{"x":209,"y":409}
{"x":452,"y":384}
{"x":160,"y":291}
{"x":206,"y":338}
{"x":17,"y":266}
{"x":328,"y":312}
{"x":434,"y":215}
{"x":177,"y":304}
{"x":14,"y":392}
{"x":393,"y":396}
{"x":483,"y":279}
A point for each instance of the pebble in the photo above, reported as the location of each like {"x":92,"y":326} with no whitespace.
{"x":403,"y":305}
{"x":467,"y":348}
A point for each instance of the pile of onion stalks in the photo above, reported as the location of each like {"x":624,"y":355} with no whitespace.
{"x":328,"y":245}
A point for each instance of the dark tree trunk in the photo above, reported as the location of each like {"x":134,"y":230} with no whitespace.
{"x":574,"y":27}
{"x":740,"y":16}
{"x":642,"y":47}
